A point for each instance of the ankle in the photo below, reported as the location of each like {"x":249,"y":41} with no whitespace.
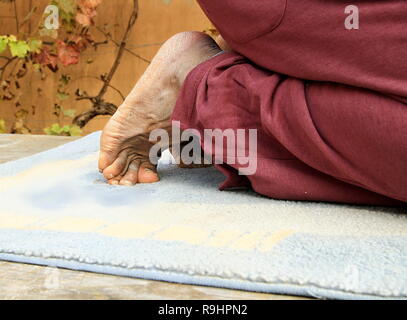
{"x":193,"y":48}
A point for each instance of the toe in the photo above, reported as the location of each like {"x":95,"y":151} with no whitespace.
{"x":105,"y":160}
{"x":117,"y":167}
{"x":147,"y":174}
{"x":131,"y":176}
{"x":108,"y":149}
{"x":115,"y":181}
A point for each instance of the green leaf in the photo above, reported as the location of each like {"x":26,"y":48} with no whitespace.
{"x":75,"y":131}
{"x":19,"y":48}
{"x":68,"y":6}
{"x":67,"y":130}
{"x":67,"y":18}
{"x":35,"y":45}
{"x":3,"y":43}
{"x":67,"y":10}
{"x":56,"y":128}
{"x":69,"y":113}
{"x":12,"y":38}
{"x":36,"y":66}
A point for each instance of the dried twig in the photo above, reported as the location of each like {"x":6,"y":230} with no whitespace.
{"x":4,"y":67}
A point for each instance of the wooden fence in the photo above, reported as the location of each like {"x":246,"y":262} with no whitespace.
{"x":158,"y":20}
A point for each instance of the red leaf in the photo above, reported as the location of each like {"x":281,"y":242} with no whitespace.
{"x":67,"y":54}
{"x":88,"y":12}
{"x":81,"y":42}
{"x":46,"y":58}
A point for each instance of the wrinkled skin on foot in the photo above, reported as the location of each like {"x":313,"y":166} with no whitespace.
{"x":133,"y":160}
{"x":125,"y":145}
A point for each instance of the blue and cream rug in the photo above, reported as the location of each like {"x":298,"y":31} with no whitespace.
{"x":55,"y":209}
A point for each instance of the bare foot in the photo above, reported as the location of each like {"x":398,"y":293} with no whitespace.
{"x":125,"y":145}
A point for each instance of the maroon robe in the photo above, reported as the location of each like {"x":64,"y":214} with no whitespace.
{"x":329,"y":103}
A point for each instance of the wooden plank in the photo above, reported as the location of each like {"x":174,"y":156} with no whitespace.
{"x":22,"y":281}
{"x":13,"y":147}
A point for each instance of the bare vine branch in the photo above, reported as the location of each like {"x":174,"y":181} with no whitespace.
{"x":4,"y":67}
{"x":108,"y":37}
{"x":122,"y":47}
{"x":99,"y":106}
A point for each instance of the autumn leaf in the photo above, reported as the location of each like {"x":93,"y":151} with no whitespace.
{"x":46,"y":58}
{"x":81,"y":42}
{"x":88,"y":12}
{"x":50,"y":48}
{"x":67,"y":54}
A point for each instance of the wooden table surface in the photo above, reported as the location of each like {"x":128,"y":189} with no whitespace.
{"x":22,"y":281}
